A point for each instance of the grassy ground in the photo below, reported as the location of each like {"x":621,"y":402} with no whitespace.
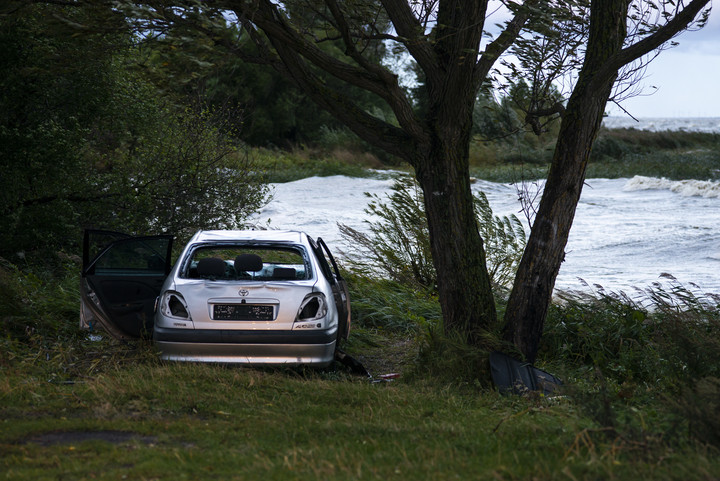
{"x":616,"y":153}
{"x":113,"y":411}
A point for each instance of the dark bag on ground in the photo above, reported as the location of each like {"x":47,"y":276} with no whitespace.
{"x":512,"y":376}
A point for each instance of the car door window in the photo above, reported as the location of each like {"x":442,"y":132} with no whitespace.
{"x":322,"y":260}
{"x":323,"y":246}
{"x":133,"y":256}
{"x":340,"y":289}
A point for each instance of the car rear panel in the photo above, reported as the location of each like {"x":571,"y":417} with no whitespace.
{"x":247,"y":347}
{"x":203,"y":296}
{"x":227,"y":317}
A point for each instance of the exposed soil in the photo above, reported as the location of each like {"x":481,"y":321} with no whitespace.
{"x":394,"y":356}
{"x":72,"y":437}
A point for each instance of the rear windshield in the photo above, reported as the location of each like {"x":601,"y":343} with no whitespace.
{"x":248,"y":262}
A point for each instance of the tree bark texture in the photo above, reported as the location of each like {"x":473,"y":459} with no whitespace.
{"x":442,"y":171}
{"x":464,"y":288}
{"x":545,"y":251}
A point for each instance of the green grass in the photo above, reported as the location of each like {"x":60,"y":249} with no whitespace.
{"x":286,"y":166}
{"x":76,"y":408}
{"x":617,"y":153}
{"x":189,"y":421}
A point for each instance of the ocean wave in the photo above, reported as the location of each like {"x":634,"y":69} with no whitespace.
{"x":682,"y":124}
{"x":686,"y":188}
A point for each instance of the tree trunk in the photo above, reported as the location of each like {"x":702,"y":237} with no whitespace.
{"x":442,"y":169}
{"x":545,"y":250}
{"x":464,"y":289}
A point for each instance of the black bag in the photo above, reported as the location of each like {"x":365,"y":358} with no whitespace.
{"x":512,"y":376}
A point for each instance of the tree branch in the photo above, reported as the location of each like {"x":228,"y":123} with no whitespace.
{"x":504,"y":41}
{"x":296,"y":52}
{"x":411,"y":34}
{"x":677,"y":24}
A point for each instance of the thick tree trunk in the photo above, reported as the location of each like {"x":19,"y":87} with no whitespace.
{"x":464,"y":290}
{"x":442,"y":169}
{"x":545,"y":250}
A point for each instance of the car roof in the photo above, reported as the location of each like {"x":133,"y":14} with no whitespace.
{"x":249,"y":235}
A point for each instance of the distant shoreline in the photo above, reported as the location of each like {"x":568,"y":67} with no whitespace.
{"x":659,"y":124}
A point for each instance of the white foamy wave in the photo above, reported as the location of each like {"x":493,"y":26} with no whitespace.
{"x":689,"y":124}
{"x":686,"y":188}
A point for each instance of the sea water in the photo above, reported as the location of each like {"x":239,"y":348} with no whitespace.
{"x":627,"y":233}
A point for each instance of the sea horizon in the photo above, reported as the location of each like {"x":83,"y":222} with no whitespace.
{"x":659,"y":124}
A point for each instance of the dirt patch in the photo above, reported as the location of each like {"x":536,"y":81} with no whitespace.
{"x":75,"y":437}
{"x":395,"y":355}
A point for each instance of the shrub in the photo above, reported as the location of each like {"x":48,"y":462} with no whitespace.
{"x":398,"y":244}
{"x":385,"y":304}
{"x":41,"y":300}
{"x":607,"y":148}
{"x":658,"y":347}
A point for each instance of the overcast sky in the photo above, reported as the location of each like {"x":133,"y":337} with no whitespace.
{"x":687,"y":78}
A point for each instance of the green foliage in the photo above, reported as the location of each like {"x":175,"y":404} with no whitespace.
{"x":185,"y":176}
{"x":398,"y":243}
{"x":673,"y":155}
{"x":616,"y":153}
{"x":264,"y":106}
{"x":38,"y":300}
{"x":281,"y":166}
{"x":54,"y":86}
{"x":391,"y":306}
{"x":447,"y":358}
{"x":658,"y":348}
{"x":86,"y":141}
{"x":504,"y":239}
{"x":495,"y":121}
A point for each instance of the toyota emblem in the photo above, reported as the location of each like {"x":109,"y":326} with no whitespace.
{"x":243,"y":292}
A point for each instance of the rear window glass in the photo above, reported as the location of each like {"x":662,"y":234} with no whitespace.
{"x":245,"y":262}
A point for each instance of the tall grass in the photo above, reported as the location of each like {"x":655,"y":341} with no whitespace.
{"x":642,"y":365}
{"x":286,"y":166}
{"x":616,"y":153}
{"x":397,"y":245}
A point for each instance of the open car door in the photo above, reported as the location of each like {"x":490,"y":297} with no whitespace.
{"x":121,"y":279}
{"x":341,"y":293}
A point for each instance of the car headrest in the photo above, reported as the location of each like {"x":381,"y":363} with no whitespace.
{"x":284,"y":273}
{"x":248,"y":263}
{"x":211,"y":267}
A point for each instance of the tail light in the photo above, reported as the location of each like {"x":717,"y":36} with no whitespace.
{"x":173,"y":305}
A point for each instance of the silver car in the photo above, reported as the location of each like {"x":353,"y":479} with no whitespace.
{"x":255,"y":297}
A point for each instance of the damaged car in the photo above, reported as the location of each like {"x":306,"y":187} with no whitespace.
{"x":246,"y":297}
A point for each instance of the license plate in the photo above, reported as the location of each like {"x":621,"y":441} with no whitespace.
{"x":242,"y":312}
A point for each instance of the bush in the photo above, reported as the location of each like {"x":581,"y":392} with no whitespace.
{"x":41,"y":299}
{"x":388,"y":305}
{"x":187,"y":175}
{"x":607,"y":148}
{"x":657,"y":349}
{"x":398,"y":245}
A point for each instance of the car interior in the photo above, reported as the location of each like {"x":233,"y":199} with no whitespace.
{"x":247,"y":266}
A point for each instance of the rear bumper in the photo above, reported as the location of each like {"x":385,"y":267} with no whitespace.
{"x":247,"y":347}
